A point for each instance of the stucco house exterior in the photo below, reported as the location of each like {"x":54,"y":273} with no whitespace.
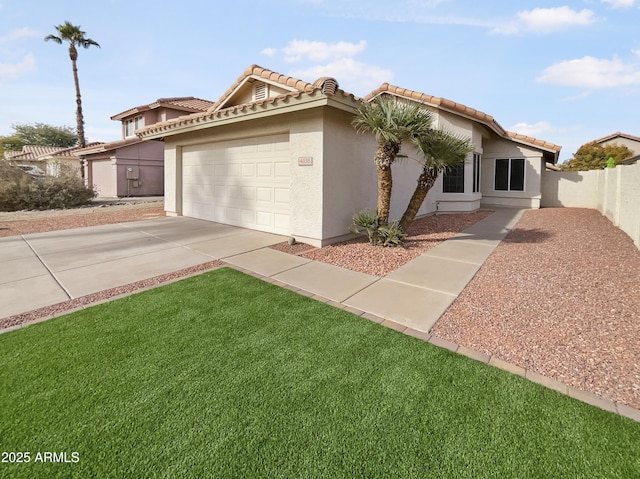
{"x":278,"y":154}
{"x":130,"y":166}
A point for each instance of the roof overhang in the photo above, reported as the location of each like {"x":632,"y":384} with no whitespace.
{"x":283,"y":104}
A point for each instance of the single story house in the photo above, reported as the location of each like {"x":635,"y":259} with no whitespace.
{"x":130,"y":166}
{"x":278,"y":154}
{"x":50,"y":160}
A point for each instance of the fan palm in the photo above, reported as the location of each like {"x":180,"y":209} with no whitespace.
{"x":439,"y":151}
{"x":391,"y":122}
{"x":72,"y":34}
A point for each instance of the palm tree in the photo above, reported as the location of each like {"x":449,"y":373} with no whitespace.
{"x":440,"y":150}
{"x":391,"y":122}
{"x":76,"y":37}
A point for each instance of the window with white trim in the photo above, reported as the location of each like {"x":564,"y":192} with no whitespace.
{"x":476,"y":172}
{"x":132,"y":125}
{"x":509,"y":174}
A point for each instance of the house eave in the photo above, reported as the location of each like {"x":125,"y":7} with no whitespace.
{"x":249,"y":111}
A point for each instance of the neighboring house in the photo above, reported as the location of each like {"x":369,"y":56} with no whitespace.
{"x":623,"y":139}
{"x":31,"y":158}
{"x":278,"y":154}
{"x":49,"y":160}
{"x":130,"y":166}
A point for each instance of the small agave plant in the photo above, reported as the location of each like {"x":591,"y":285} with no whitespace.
{"x":366,"y":222}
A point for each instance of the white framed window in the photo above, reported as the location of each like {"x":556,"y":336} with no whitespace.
{"x":509,"y":174}
{"x":476,"y":172}
{"x":132,"y":125}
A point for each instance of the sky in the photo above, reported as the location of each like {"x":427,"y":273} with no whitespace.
{"x":567,"y":72}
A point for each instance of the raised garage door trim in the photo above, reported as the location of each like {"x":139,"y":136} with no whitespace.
{"x":241,"y":182}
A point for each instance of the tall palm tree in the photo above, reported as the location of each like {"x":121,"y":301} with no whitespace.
{"x":391,"y":122}
{"x":439,"y":151}
{"x":72,"y":34}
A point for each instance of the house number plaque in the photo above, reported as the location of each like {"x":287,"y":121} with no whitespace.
{"x":305,"y":160}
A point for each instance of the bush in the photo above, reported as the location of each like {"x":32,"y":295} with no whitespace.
{"x":385,"y":235}
{"x":19,"y":191}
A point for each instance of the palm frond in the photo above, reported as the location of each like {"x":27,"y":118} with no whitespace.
{"x":441,"y":149}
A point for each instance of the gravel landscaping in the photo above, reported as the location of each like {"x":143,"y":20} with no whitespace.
{"x":560,"y":296}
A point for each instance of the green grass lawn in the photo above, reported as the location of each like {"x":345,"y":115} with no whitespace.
{"x":223,"y":375}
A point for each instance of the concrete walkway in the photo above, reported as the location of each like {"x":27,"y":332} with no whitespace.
{"x":415,"y":295}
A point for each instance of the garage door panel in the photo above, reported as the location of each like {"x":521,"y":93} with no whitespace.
{"x":244,"y":182}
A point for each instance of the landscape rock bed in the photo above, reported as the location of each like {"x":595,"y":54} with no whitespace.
{"x":559,"y":296}
{"x":358,"y":255}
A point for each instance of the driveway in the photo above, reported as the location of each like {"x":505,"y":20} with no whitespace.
{"x":47,"y":268}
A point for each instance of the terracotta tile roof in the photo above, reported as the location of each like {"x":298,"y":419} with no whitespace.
{"x":460,"y":109}
{"x":534,"y":141}
{"x":74,"y":149}
{"x":300,"y":91}
{"x":33,"y":152}
{"x":259,"y":72}
{"x":617,"y":134}
{"x":187,"y":104}
{"x":102,"y":147}
{"x":329,"y":86}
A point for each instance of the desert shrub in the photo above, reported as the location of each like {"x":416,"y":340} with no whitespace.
{"x":19,"y":191}
{"x":366,"y":222}
{"x":15,"y":187}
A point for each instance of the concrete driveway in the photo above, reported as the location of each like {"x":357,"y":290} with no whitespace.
{"x":42,"y":269}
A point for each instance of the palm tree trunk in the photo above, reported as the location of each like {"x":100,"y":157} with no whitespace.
{"x":385,"y":184}
{"x":79,"y":116}
{"x":385,"y":155}
{"x":426,"y":181}
{"x":73,"y":54}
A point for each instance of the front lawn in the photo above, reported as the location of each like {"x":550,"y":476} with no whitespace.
{"x":223,"y":375}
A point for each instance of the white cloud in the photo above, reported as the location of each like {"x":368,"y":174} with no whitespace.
{"x":14,"y":70}
{"x":590,"y":72}
{"x":18,"y":34}
{"x":546,"y":20}
{"x":620,"y":3}
{"x":533,"y":130}
{"x":269,"y":52}
{"x":352,"y":75}
{"x":298,"y":50}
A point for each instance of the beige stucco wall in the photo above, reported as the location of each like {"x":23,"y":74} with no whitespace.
{"x":569,"y":188}
{"x":534,"y":166}
{"x":615,"y":192}
{"x":306,"y":140}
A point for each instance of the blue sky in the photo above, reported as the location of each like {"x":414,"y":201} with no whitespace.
{"x":566,"y":72}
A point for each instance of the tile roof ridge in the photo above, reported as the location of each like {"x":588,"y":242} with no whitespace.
{"x":266,"y":74}
{"x":534,"y":141}
{"x":616,"y":134}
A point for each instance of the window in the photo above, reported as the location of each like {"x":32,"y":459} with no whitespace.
{"x":453,"y":180}
{"x":509,"y":174}
{"x":132,"y":125}
{"x":476,"y":172}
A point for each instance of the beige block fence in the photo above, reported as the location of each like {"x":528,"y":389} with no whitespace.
{"x":615,"y":192}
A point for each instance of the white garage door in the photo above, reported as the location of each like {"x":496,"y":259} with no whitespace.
{"x":242,"y":182}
